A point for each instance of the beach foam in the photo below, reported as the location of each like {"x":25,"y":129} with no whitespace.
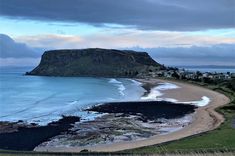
{"x":166,"y":86}
{"x":73,"y":102}
{"x":155,"y":94}
{"x":152,"y":95}
{"x":121,"y":87}
{"x":203,"y":102}
{"x":136,"y":82}
{"x":114,"y":81}
{"x":156,"y":91}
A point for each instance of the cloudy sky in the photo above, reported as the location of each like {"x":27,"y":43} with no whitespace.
{"x":180,"y":32}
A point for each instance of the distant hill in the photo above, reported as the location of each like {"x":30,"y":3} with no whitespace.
{"x":95,"y":62}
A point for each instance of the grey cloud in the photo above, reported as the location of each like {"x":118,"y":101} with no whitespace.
{"x":221,"y":54}
{"x":11,"y":49}
{"x":184,"y":15}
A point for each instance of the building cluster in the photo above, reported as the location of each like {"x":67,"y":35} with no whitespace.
{"x":185,"y":74}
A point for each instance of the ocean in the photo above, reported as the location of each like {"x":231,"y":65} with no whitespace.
{"x":212,"y":69}
{"x":41,"y":99}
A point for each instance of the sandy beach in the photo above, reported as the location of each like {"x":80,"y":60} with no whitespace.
{"x":205,"y":119}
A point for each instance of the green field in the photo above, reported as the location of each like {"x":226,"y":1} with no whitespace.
{"x":114,"y":154}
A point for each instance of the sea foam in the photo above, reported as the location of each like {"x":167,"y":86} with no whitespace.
{"x":114,"y":81}
{"x":119,"y":84}
{"x":73,"y":102}
{"x":156,"y":91}
{"x":203,"y":102}
{"x":155,"y":94}
{"x":166,"y":86}
{"x":136,"y":82}
{"x":200,"y":103}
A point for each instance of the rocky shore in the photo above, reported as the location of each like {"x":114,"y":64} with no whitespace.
{"x":148,"y":110}
{"x":114,"y":128}
{"x":23,"y":136}
{"x":122,"y":125}
{"x":204,"y":119}
{"x":125,"y":121}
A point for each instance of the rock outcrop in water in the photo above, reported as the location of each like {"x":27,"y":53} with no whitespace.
{"x":95,"y":62}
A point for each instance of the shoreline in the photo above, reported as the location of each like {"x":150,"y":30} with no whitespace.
{"x":146,"y":122}
{"x":20,"y":136}
{"x":206,"y":119}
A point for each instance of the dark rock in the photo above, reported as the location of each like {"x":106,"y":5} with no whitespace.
{"x":84,"y":150}
{"x":27,"y":138}
{"x":95,"y":62}
{"x":147,"y":110}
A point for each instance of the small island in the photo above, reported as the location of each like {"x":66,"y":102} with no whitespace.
{"x":95,"y":62}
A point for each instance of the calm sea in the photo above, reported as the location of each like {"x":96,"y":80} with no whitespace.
{"x":43,"y":99}
{"x":211,"y":69}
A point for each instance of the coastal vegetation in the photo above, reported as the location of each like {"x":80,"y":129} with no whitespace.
{"x":202,"y":153}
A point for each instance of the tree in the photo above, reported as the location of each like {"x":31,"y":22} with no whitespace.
{"x":175,"y":75}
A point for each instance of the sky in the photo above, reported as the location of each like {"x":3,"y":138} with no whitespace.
{"x":174,"y":33}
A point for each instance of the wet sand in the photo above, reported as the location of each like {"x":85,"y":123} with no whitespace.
{"x":205,"y":119}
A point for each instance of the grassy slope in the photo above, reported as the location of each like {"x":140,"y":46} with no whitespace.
{"x":107,"y":154}
{"x":223,"y":138}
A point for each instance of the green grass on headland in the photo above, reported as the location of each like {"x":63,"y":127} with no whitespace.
{"x":202,"y":153}
{"x":222,"y":138}
{"x":223,"y":153}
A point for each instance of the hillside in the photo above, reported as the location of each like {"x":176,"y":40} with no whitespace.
{"x":95,"y":62}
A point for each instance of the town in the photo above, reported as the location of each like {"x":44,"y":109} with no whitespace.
{"x":183,"y":74}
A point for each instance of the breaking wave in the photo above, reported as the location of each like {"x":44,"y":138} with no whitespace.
{"x":203,"y":102}
{"x":119,"y":84}
{"x":156,"y":91}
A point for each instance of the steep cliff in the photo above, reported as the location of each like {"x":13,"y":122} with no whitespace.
{"x":95,"y":62}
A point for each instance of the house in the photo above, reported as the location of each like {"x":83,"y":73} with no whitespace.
{"x":232,"y":75}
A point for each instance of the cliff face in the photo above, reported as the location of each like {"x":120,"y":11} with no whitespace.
{"x":94,"y":62}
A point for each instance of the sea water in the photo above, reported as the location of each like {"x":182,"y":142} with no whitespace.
{"x":210,"y":69}
{"x":41,"y":99}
